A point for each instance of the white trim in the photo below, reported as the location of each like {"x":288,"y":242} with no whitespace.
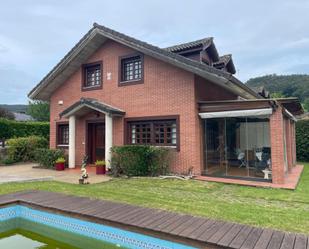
{"x":76,"y":109}
{"x":238,"y":113}
{"x":72,"y":124}
{"x":291,"y":115}
{"x":108,"y":139}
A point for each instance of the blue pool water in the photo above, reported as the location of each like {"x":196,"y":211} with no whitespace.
{"x":72,"y":231}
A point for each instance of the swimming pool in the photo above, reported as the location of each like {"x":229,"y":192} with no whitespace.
{"x":28,"y":226}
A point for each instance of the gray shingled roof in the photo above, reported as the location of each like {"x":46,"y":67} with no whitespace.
{"x":92,"y":104}
{"x":179,"y":47}
{"x":22,"y":117}
{"x":224,"y":59}
{"x":99,"y":33}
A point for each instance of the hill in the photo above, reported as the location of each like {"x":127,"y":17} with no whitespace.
{"x":16,"y":108}
{"x":295,"y":85}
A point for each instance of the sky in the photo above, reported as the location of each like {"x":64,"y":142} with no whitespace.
{"x":264,"y":37}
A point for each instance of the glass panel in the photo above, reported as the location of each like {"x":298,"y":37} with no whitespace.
{"x":132,"y":68}
{"x":237,"y":147}
{"x":237,"y":152}
{"x":259,"y":144}
{"x":93,"y":75}
{"x":215,"y":147}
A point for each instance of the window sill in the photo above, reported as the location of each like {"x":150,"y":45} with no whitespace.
{"x":90,"y":88}
{"x":130,"y":82}
{"x":172,"y":147}
{"x":62,"y":146}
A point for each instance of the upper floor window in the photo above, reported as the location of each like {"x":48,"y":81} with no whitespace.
{"x":160,"y":132}
{"x":92,"y":75}
{"x":63,"y":134}
{"x":131,"y":68}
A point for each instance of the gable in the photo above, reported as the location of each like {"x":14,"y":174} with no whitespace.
{"x":98,"y":35}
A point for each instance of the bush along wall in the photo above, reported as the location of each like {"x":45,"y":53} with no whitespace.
{"x":13,"y":129}
{"x":22,"y":149}
{"x":140,"y":160}
{"x":47,"y":157}
{"x":302,"y":140}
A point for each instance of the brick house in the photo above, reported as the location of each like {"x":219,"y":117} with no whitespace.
{"x":112,"y":89}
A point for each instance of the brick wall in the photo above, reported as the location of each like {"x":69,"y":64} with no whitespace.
{"x":167,"y":90}
{"x":277,"y":146}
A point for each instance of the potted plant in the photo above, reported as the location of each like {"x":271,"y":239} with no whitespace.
{"x":100,"y":167}
{"x":60,"y":162}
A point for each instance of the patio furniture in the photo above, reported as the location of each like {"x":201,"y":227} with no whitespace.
{"x":241,"y":157}
{"x":267,"y":173}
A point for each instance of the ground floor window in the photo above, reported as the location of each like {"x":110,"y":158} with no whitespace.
{"x":62,"y":134}
{"x":237,"y":147}
{"x":153,"y":132}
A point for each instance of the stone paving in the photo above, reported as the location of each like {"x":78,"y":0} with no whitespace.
{"x":28,"y":172}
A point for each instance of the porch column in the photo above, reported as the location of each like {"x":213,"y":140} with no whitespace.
{"x":72,"y":121}
{"x":108,"y":139}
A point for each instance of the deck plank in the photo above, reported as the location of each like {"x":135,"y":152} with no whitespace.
{"x":238,"y":241}
{"x":288,"y":241}
{"x":264,"y":239}
{"x":252,"y":238}
{"x":220,"y":233}
{"x":300,"y":241}
{"x":189,"y":230}
{"x":276,"y":240}
{"x":230,"y":235}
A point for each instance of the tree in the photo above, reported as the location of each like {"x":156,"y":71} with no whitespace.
{"x":277,"y":95}
{"x":4,"y":113}
{"x":39,"y":110}
{"x":306,"y":105}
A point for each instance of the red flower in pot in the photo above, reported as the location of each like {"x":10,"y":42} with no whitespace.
{"x":100,"y":167}
{"x":60,"y":164}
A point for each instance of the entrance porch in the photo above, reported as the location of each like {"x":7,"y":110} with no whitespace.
{"x":96,"y":132}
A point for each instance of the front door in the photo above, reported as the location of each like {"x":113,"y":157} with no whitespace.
{"x":96,"y":142}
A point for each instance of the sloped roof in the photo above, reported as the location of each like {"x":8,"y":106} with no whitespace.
{"x":91,"y":104}
{"x":97,"y":35}
{"x":22,"y":117}
{"x":205,"y":42}
{"x":224,"y":59}
{"x":261,"y":91}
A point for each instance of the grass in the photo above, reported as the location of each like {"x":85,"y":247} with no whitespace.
{"x":275,"y":208}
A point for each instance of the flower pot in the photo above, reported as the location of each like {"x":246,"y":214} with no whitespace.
{"x":59,"y":166}
{"x":101,"y":170}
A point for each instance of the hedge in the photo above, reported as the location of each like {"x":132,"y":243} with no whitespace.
{"x":12,"y":129}
{"x":302,"y":140}
{"x":22,"y":149}
{"x":140,"y":160}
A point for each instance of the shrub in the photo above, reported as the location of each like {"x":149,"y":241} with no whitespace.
{"x":22,"y":149}
{"x":60,"y":160}
{"x":48,"y":157}
{"x":140,"y":160}
{"x":302,"y":140}
{"x":100,"y":163}
{"x":12,"y":129}
{"x":8,"y":161}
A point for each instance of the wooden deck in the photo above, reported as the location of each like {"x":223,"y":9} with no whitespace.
{"x":198,"y":231}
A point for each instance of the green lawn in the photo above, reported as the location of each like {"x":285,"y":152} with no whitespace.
{"x":275,"y":208}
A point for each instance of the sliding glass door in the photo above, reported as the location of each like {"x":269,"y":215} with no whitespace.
{"x":237,"y":146}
